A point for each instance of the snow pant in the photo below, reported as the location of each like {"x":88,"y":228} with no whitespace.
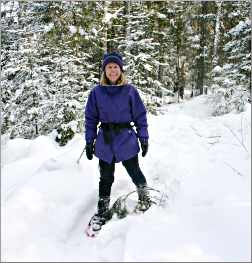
{"x":107,"y":175}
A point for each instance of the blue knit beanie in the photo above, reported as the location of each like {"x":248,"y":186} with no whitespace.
{"x":112,"y":57}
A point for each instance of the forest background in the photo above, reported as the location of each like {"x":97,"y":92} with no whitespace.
{"x":51,"y":55}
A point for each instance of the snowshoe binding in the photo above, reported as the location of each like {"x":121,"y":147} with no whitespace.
{"x":144,"y":200}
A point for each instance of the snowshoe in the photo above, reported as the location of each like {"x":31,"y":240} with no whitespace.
{"x":95,"y":224}
{"x":100,"y":218}
{"x":146,"y":197}
{"x":124,"y":205}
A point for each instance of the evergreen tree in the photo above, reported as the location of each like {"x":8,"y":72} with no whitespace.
{"x":238,"y":46}
{"x":231,"y":79}
{"x":20,"y":79}
{"x":52,"y":56}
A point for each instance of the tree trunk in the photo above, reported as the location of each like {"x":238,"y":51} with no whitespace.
{"x":179,"y":63}
{"x":201,"y":61}
{"x":128,"y":34}
{"x":217,"y":35}
{"x":105,"y":30}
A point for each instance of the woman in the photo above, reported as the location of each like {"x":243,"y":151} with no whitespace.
{"x":116,"y":105}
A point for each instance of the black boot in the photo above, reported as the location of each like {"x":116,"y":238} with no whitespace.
{"x":103,"y":208}
{"x":103,"y":214}
{"x":144,"y":200}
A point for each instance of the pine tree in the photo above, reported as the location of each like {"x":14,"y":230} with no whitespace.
{"x":238,"y":46}
{"x":231,"y":79}
{"x":52,"y":57}
{"x":20,"y":78}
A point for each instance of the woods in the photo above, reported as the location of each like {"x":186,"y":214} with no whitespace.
{"x":51,"y":52}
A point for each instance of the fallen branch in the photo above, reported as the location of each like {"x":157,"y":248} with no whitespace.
{"x":241,"y":141}
{"x":235,"y":170}
{"x":207,"y":137}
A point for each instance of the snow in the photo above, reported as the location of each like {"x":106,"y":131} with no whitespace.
{"x":9,"y":6}
{"x":217,"y":69}
{"x":240,"y":27}
{"x":49,"y":27}
{"x":72,"y":29}
{"x":202,"y":162}
{"x":161,"y":16}
{"x":109,"y":16}
{"x":148,"y":67}
{"x":82,"y":31}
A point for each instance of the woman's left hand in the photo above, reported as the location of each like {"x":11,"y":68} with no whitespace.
{"x":89,"y":150}
{"x":144,"y":146}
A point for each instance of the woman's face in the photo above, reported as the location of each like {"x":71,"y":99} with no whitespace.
{"x":113,"y":72}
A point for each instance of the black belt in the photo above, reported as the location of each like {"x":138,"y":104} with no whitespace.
{"x":113,"y":126}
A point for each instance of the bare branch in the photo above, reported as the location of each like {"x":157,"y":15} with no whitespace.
{"x":236,"y":171}
{"x":241,"y":141}
{"x":207,"y":137}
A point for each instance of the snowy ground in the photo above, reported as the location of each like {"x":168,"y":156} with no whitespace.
{"x":202,"y":162}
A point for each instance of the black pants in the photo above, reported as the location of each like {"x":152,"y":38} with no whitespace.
{"x":107,"y":175}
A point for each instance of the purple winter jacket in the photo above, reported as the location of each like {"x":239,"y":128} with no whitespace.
{"x":115,"y":104}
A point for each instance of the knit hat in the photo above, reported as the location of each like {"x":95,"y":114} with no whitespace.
{"x":112,"y":57}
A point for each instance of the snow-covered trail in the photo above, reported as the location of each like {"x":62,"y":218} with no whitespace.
{"x":203,"y":163}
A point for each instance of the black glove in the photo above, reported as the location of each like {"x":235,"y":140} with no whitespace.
{"x":144,"y":146}
{"x":89,"y":150}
